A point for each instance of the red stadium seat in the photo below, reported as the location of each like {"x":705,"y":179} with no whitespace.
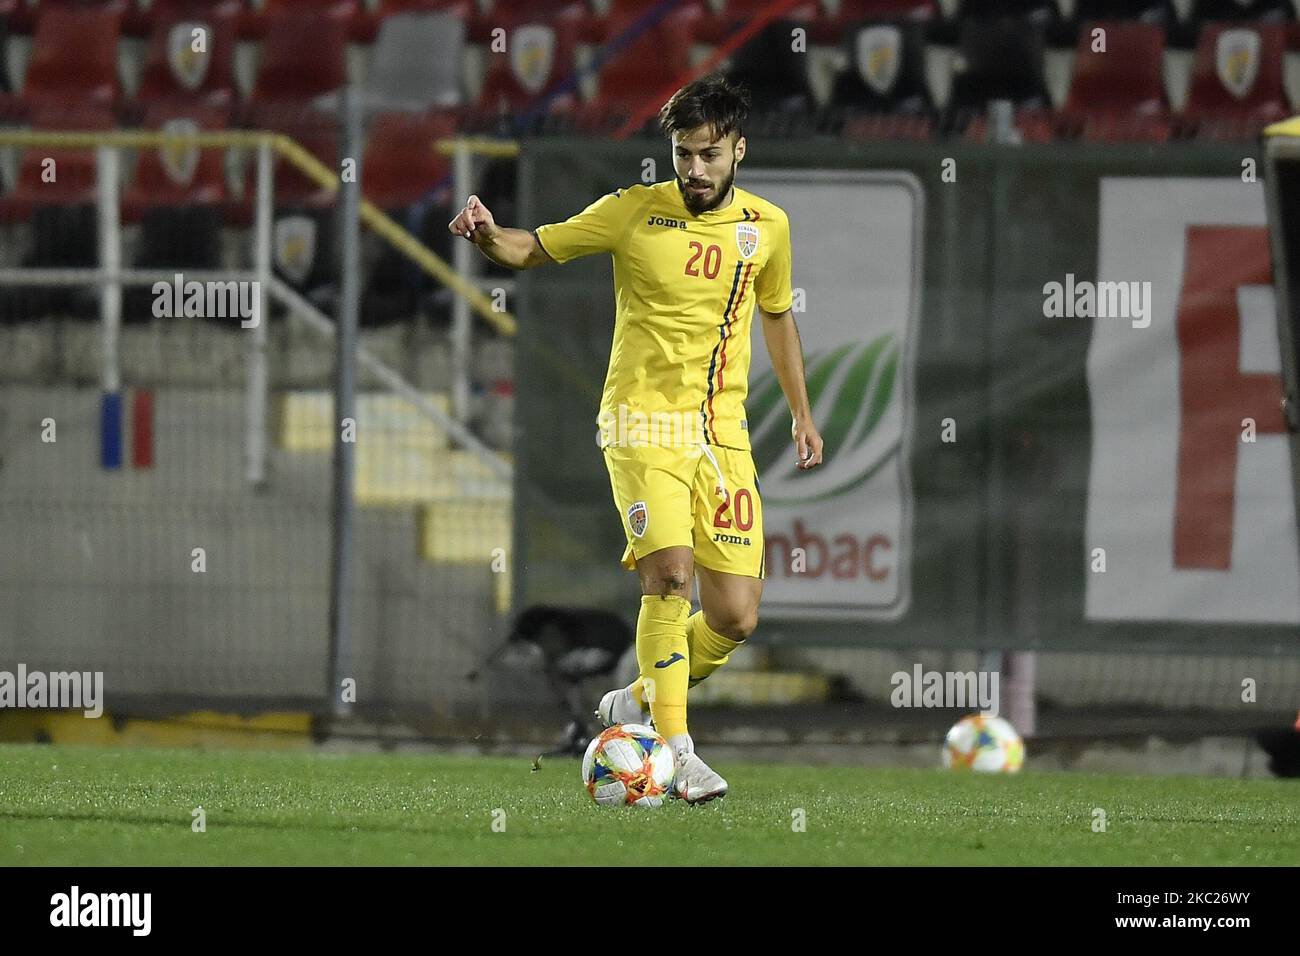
{"x":74,"y":56}
{"x":851,"y":11}
{"x":178,"y":196}
{"x":75,"y":179}
{"x":177,"y":175}
{"x":21,"y":15}
{"x":257,"y":17}
{"x":650,"y":60}
{"x":507,"y":13}
{"x":540,"y":56}
{"x":315,"y":132}
{"x":1118,"y":94}
{"x":867,"y":127}
{"x":1203,"y":13}
{"x":142,"y":15}
{"x":400,"y":164}
{"x":1237,"y":81}
{"x":1033,"y":125}
{"x":515,"y":9}
{"x":173,"y":71}
{"x":303,"y":55}
{"x":363,"y":18}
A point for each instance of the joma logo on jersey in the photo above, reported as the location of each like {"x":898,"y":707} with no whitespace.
{"x":670,"y":223}
{"x":729,"y":538}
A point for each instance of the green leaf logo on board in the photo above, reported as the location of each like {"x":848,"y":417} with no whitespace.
{"x":850,"y":389}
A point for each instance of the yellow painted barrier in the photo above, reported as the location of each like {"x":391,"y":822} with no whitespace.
{"x":272,"y":731}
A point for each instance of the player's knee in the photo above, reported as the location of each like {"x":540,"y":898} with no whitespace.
{"x":675,"y":581}
{"x":671,"y":578}
{"x":737,"y":625}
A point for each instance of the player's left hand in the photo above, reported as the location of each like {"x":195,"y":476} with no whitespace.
{"x":807,"y":443}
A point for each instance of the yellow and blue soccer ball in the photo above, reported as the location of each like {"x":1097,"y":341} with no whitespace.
{"x":628,"y":765}
{"x":987,"y":744}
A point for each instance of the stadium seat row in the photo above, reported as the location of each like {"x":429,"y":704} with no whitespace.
{"x":1117,"y":90}
{"x":252,"y":18}
{"x":400,"y":165}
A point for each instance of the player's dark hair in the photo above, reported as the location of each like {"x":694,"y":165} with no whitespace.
{"x":711,"y":101}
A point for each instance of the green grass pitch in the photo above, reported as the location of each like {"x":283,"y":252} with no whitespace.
{"x":63,"y":805}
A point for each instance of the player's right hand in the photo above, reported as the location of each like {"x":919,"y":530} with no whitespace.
{"x":473,"y":222}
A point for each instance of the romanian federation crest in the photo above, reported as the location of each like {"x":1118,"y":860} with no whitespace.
{"x":638,"y":518}
{"x":746,"y":238}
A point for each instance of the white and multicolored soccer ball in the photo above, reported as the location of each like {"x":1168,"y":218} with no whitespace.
{"x":987,"y":744}
{"x":628,"y":765}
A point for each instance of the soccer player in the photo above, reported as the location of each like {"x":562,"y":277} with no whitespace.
{"x":692,"y":257}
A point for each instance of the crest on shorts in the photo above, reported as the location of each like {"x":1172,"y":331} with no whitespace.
{"x":188,"y":65}
{"x":532,"y":54}
{"x":1236,"y":60}
{"x":638,"y":518}
{"x":295,"y":247}
{"x":879,"y":55}
{"x":179,"y":157}
{"x":746,"y":238}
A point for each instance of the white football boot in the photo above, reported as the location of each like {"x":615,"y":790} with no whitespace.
{"x":695,"y":781}
{"x":620,"y":707}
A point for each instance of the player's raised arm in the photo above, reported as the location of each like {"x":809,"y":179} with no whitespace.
{"x":512,"y":248}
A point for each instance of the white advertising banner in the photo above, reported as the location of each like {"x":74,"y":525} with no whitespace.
{"x":839,"y":538}
{"x":1189,"y":495}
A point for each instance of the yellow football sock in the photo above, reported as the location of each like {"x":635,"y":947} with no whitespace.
{"x":662,"y":653}
{"x":708,"y":650}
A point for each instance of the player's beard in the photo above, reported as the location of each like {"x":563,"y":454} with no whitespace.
{"x":696,"y":206}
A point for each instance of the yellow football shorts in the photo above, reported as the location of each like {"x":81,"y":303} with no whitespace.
{"x":669,"y":497}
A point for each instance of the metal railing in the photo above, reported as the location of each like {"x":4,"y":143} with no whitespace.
{"x":111,"y":277}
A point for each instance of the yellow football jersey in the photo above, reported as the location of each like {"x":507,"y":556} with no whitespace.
{"x":685,"y":287}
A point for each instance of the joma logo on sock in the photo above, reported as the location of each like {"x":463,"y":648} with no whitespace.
{"x":133,"y":910}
